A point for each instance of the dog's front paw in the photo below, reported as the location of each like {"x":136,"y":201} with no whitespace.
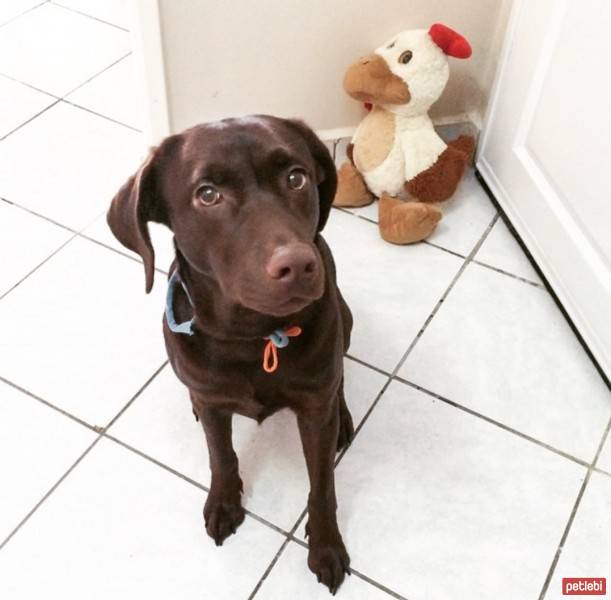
{"x":330,"y":563}
{"x":222,"y":518}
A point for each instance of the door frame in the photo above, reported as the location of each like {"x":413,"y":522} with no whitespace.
{"x":589,"y":259}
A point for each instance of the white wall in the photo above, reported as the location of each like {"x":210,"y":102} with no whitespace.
{"x":287,"y":57}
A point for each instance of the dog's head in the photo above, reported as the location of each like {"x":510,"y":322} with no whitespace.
{"x":408,"y":73}
{"x":245,"y":199}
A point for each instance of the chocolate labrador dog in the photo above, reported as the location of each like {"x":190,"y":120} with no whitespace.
{"x":254,"y":319}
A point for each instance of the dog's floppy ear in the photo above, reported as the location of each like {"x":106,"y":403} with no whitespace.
{"x":325,"y":167}
{"x":136,"y":203}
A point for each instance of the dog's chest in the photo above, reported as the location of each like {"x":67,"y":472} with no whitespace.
{"x":236,"y":381}
{"x":252,"y":397}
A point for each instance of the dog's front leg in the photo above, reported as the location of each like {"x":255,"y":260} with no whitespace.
{"x":327,"y":557}
{"x":223,"y":510}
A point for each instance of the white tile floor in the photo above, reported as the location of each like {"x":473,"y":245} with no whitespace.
{"x":479,"y":470}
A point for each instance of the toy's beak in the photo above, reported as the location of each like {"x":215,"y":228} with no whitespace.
{"x":370,"y":80}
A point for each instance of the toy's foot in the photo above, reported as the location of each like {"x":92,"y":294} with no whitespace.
{"x":351,"y":189}
{"x":406,"y":222}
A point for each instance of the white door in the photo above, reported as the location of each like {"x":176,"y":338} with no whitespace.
{"x":546,"y":152}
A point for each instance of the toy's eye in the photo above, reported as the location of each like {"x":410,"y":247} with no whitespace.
{"x":297,"y":179}
{"x":391,"y":45}
{"x":405,"y":57}
{"x":208,"y":195}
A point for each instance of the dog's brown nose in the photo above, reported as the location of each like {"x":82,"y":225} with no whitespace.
{"x":292,"y":263}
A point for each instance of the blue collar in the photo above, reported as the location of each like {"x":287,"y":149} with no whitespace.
{"x":185,"y":327}
{"x":278,"y":338}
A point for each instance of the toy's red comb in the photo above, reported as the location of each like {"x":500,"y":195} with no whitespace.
{"x":451,"y":42}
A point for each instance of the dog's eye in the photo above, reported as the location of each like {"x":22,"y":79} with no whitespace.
{"x":297,"y":179}
{"x":208,"y":195}
{"x":405,"y":57}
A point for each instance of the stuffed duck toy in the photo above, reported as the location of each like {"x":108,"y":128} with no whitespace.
{"x":395,"y":154}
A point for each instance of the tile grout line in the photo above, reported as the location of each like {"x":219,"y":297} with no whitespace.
{"x":474,"y":413}
{"x":100,"y":431}
{"x":96,"y":74}
{"x":27,"y":275}
{"x":573,"y":514}
{"x":461,"y":270}
{"x":426,"y":242}
{"x":360,"y":575}
{"x":135,"y":396}
{"x":269,"y":568}
{"x":97,"y":114}
{"x":453,"y":252}
{"x":76,"y":234}
{"x":378,"y":585}
{"x":35,"y":116}
{"x":48,"y":404}
{"x":39,"y":215}
{"x":63,"y":97}
{"x":57,"y":101}
{"x":49,"y":492}
{"x":449,"y":251}
{"x":272,"y":564}
{"x":494,"y":422}
{"x":78,"y":12}
{"x":292,"y":538}
{"x":29,"y":85}
{"x":80,"y":85}
{"x":366,"y":364}
{"x":602,"y":471}
{"x":289,"y":535}
{"x":74,"y":105}
{"x":503,"y":272}
{"x":403,"y":358}
{"x":79,"y":232}
{"x":117,"y":251}
{"x":305,"y":510}
{"x":47,"y":258}
{"x":188,"y":479}
{"x":546,"y":284}
{"x":25,"y":12}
